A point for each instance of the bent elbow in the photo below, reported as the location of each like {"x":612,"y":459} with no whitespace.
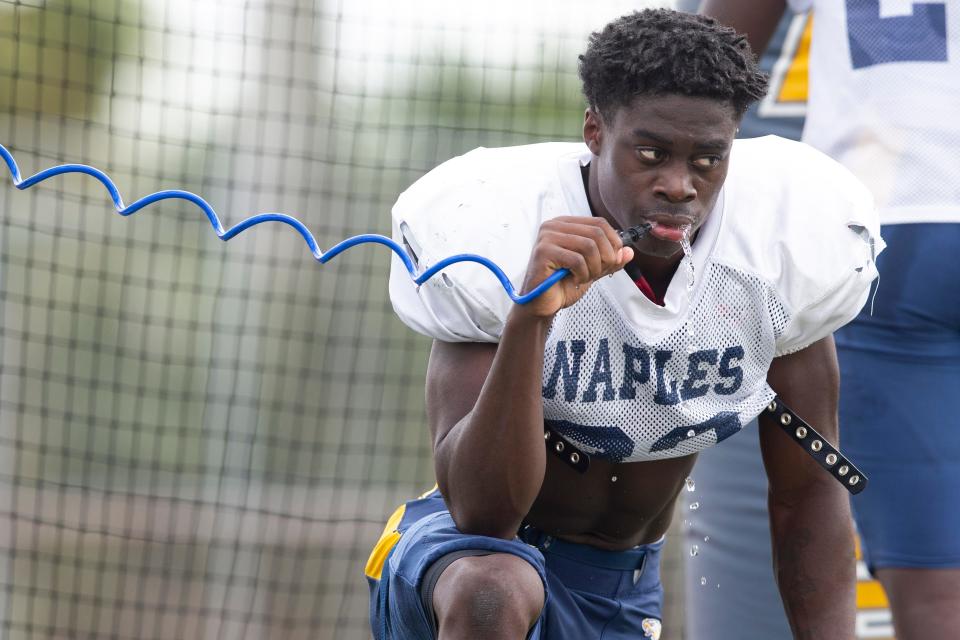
{"x":499,"y":523}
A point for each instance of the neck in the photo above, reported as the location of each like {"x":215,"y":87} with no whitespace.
{"x":658,"y":279}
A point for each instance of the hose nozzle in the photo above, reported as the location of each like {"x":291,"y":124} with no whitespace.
{"x":633,"y":234}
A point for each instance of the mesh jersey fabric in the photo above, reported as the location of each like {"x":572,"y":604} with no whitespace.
{"x":884,"y":86}
{"x":773,"y":269}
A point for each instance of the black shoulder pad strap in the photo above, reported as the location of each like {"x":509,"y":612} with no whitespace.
{"x":566,"y":450}
{"x":817,"y":446}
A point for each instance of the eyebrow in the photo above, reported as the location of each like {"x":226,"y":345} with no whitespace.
{"x":707,"y":145}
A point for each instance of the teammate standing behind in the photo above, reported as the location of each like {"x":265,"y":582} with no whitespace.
{"x":627,"y":377}
{"x":884,"y":90}
{"x":728,"y":585}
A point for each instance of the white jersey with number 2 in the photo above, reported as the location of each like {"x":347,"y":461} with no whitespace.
{"x":885,"y":100}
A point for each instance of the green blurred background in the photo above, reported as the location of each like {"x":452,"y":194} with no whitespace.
{"x":200,"y":440}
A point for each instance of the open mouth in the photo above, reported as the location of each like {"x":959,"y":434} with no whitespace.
{"x":669,"y":232}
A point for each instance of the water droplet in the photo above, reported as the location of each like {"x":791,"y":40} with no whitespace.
{"x":688,"y":255}
{"x":691,"y":433}
{"x":613,"y":478}
{"x":694,"y":550}
{"x":694,"y":506}
{"x":690,"y":484}
{"x":718,"y":585}
{"x":706,"y":538}
{"x":703,"y":580}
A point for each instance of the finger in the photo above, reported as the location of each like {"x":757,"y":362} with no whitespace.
{"x":602,"y":256}
{"x":584,"y":246}
{"x":554,"y":257}
{"x":612,"y":235}
{"x":620,"y":257}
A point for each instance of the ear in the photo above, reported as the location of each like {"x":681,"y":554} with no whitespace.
{"x":592,"y":130}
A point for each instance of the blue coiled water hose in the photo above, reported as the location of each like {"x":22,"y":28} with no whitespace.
{"x":629,"y":235}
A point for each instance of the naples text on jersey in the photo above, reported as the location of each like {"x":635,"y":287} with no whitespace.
{"x":625,"y":378}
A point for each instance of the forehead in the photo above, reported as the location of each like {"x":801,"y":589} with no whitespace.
{"x":677,"y":118}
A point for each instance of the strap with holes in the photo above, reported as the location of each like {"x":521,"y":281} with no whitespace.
{"x":828,"y":456}
{"x":566,"y":451}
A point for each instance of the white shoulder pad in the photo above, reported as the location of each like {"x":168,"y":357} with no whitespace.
{"x":488,"y":202}
{"x":805,"y":224}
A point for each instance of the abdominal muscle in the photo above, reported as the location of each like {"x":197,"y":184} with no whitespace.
{"x":594,"y":509}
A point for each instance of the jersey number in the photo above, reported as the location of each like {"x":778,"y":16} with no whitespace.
{"x":876,"y":39}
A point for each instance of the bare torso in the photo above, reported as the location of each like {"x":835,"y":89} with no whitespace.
{"x":593,"y":508}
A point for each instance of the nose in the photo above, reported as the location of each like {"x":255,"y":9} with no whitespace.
{"x":675,"y":183}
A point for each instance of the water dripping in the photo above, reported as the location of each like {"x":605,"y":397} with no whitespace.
{"x":694,"y":550}
{"x":690,"y":484}
{"x":703,"y":581}
{"x":694,"y":506}
{"x":688,"y":258}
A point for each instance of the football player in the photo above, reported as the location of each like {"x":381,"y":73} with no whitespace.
{"x":884,"y":82}
{"x":564,"y":429}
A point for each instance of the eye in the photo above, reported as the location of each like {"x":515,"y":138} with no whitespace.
{"x":650,"y":154}
{"x":706,"y":162}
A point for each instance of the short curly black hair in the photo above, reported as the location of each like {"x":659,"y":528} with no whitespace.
{"x":659,"y":51}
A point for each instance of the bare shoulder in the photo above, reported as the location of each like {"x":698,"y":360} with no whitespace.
{"x":455,"y":375}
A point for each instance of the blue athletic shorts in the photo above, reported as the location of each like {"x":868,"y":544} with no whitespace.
{"x":900,"y":377}
{"x":590,"y":593}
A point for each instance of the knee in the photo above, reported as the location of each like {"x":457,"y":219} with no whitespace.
{"x":494,"y":596}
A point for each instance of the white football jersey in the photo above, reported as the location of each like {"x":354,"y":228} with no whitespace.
{"x":784,"y":259}
{"x":884,"y":100}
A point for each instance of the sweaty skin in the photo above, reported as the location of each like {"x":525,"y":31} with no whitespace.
{"x":661,"y":159}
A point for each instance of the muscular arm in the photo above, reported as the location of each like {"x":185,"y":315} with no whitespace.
{"x":757,"y":19}
{"x":484,"y":401}
{"x":486,"y":417}
{"x":810,"y":521}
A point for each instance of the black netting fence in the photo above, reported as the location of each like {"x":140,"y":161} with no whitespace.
{"x":203,"y":440}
